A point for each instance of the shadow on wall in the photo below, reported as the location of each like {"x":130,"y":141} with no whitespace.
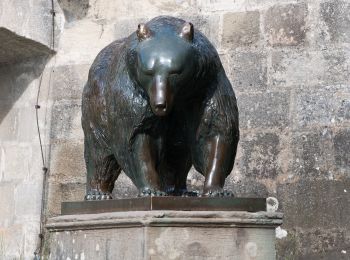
{"x":14,"y":80}
{"x":21,"y":61}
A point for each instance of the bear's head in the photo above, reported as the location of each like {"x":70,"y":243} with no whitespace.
{"x":164,"y":64}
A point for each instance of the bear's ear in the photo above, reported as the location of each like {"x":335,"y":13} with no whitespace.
{"x":143,"y":32}
{"x":187,"y":32}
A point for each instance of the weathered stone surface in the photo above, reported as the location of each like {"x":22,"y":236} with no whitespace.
{"x":28,"y":199}
{"x":263,"y":110}
{"x":112,"y":10}
{"x":313,"y":154}
{"x":73,"y":191}
{"x":74,"y":10}
{"x":335,"y":14}
{"x":342,"y":150}
{"x":11,"y":155}
{"x":337,"y":65}
{"x":68,"y":81}
{"x":66,"y":121}
{"x":7,"y":204}
{"x":323,"y":106}
{"x":317,"y":203}
{"x":164,"y":235}
{"x":8,"y":120}
{"x":248,"y":187}
{"x":68,"y":165}
{"x":241,"y":29}
{"x":285,"y":24}
{"x":260,"y":153}
{"x":314,"y":244}
{"x":12,"y":241}
{"x":59,"y":192}
{"x":248,"y":71}
{"x":309,"y":68}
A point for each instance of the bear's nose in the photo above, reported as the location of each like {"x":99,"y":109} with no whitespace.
{"x":161,"y":106}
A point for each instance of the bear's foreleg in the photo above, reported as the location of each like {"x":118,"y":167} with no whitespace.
{"x":145,"y":157}
{"x":216,"y":137}
{"x":214,"y":158}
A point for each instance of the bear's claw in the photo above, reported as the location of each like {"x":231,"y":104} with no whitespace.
{"x":151,"y":193}
{"x":98,"y":195}
{"x":217,"y":193}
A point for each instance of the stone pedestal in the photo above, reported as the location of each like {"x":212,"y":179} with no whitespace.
{"x":163,"y":235}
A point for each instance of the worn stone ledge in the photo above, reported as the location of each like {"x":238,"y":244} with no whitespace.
{"x":165,"y":218}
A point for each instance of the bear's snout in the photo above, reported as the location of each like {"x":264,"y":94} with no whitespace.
{"x":161,"y":96}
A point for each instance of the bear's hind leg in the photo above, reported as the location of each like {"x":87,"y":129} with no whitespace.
{"x":102,"y":172}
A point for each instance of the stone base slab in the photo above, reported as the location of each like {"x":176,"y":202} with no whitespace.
{"x":163,"y":235}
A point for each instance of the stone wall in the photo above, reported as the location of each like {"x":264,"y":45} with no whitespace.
{"x":25,"y":48}
{"x":289,"y":64}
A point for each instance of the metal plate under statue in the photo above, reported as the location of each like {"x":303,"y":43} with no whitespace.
{"x":156,"y":103}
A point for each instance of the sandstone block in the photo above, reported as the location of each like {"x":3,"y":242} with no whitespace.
{"x":290,"y":68}
{"x":7,"y":203}
{"x":342,"y":150}
{"x":66,"y":121}
{"x":28,"y":199}
{"x":322,"y":106}
{"x":285,"y":25}
{"x":16,"y":162}
{"x":68,"y":82}
{"x":313,"y":244}
{"x":59,"y":192}
{"x":8,"y":122}
{"x":240,"y":29}
{"x":260,"y":155}
{"x":67,"y":163}
{"x":248,"y":71}
{"x":335,"y":14}
{"x":264,"y":110}
{"x":313,"y":154}
{"x":315,"y":203}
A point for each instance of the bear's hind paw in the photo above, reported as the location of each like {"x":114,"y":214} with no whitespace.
{"x":152,"y":193}
{"x":98,"y":195}
{"x":217,"y":193}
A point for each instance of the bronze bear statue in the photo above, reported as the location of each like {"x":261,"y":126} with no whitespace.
{"x":156,"y":103}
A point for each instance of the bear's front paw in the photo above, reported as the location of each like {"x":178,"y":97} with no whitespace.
{"x":98,"y":195}
{"x":147,"y":192}
{"x":217,"y":193}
